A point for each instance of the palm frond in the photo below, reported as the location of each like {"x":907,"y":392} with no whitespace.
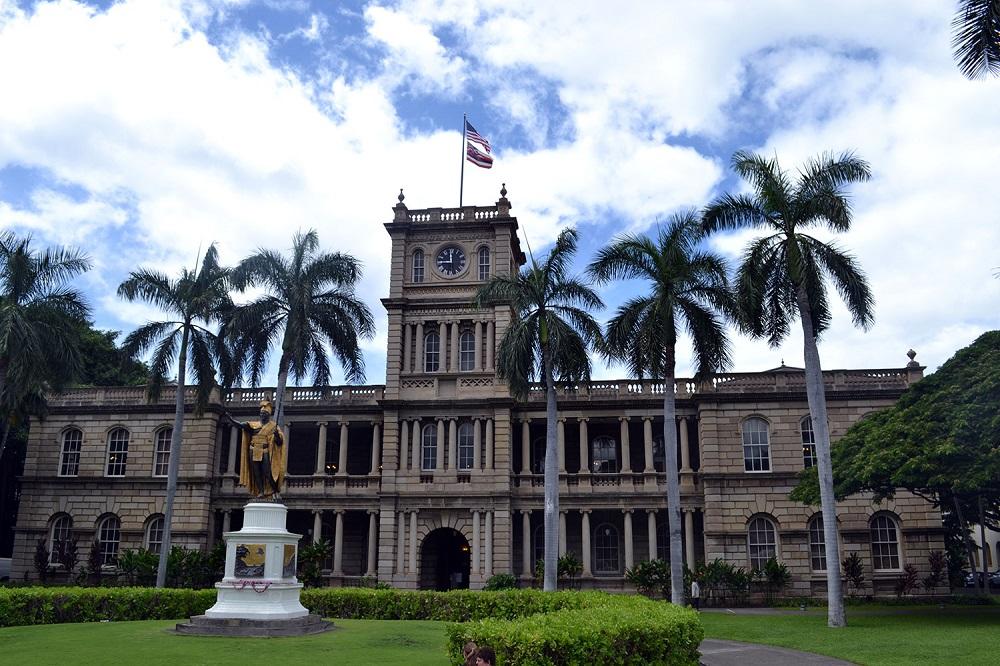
{"x":848,"y":278}
{"x":976,"y":38}
{"x":153,"y":287}
{"x":735,"y":211}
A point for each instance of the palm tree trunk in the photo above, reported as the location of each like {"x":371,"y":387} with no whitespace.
{"x":175,"y":457}
{"x":673,"y":482}
{"x":969,"y":548}
{"x":551,"y":577}
{"x":816,"y":396}
{"x":279,"y":391}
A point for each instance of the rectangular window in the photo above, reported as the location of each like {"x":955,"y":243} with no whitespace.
{"x":161,"y":458}
{"x":432,"y":352}
{"x":117,"y":452}
{"x":484,"y":263}
{"x":467,"y":352}
{"x":808,"y":443}
{"x":465,"y":446}
{"x":428,"y":448}
{"x":69,"y":465}
{"x":756,"y":446}
{"x":418,"y":266}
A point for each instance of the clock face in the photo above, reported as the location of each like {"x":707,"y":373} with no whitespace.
{"x":451,"y":261}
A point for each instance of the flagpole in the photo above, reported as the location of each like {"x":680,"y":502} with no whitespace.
{"x":461,"y":181}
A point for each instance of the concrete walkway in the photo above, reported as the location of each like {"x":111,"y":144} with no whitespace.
{"x":732,"y":653}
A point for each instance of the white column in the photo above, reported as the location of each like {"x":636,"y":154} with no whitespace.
{"x":585,"y":529}
{"x":234,"y":443}
{"x":413,"y":542}
{"x":443,"y":337}
{"x":477,"y":441}
{"x":562,"y":533}
{"x":407,"y":333}
{"x":401,"y":542}
{"x":453,"y":444}
{"x":454,"y":346}
{"x":525,"y":446}
{"x":338,"y":545}
{"x":626,"y":450}
{"x":376,"y":447}
{"x":647,"y":442}
{"x":418,"y":362}
{"x":404,"y":443}
{"x":685,"y":448}
{"x":526,"y":566}
{"x":629,"y":541}
{"x":561,"y":443}
{"x":321,"y":449}
{"x":477,"y":363}
{"x":475,"y":544}
{"x":689,"y":538}
{"x":416,"y":442}
{"x":372,"y":538}
{"x":227,"y":517}
{"x":490,"y":343}
{"x":342,"y":460}
{"x":317,"y":526}
{"x":439,"y":458}
{"x":489,"y":444}
{"x":651,"y":531}
{"x":489,"y":543}
{"x":584,"y":447}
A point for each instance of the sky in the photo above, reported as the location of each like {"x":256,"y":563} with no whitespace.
{"x":140,"y":131}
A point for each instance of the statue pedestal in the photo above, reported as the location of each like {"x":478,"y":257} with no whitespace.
{"x":259,"y":594}
{"x":260,"y":582}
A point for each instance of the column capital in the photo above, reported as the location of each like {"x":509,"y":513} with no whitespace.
{"x":651,"y":511}
{"x":478,"y":418}
{"x":628,"y":511}
{"x":322,"y":423}
{"x":682,"y":419}
{"x":525,"y":419}
{"x":340,"y":512}
{"x":561,"y":419}
{"x":372,"y":512}
{"x":648,"y":418}
{"x":623,"y":419}
{"x":440,"y":419}
{"x":475,"y":511}
{"x":526,"y":512}
{"x":583,"y":419}
{"x":343,"y":422}
{"x":317,"y":512}
{"x":376,"y":422}
{"x":585,"y":511}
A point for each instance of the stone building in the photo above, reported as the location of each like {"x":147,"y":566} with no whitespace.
{"x":433,"y":480}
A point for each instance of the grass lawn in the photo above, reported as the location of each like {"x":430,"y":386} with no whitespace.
{"x":954,"y":635}
{"x":149,"y":643}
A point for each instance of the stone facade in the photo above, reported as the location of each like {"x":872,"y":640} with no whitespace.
{"x":434,"y":479}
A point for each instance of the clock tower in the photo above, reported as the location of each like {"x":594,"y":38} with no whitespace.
{"x":447,"y":417}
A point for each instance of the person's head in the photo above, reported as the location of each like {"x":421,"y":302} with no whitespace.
{"x":486,"y":657}
{"x":266,"y":409}
{"x":469,"y":650}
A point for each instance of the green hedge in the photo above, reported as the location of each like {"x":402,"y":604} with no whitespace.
{"x":53,"y":605}
{"x":609,"y":630}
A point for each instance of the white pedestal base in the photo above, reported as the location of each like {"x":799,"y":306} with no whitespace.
{"x":260,"y":582}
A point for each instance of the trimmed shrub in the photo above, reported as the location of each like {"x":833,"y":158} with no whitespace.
{"x":53,"y":605}
{"x":500,"y":581}
{"x":608,"y":630}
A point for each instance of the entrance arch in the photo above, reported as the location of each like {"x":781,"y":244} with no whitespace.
{"x":444,"y":560}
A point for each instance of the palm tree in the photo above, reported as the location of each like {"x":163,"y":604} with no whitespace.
{"x":688,"y":287}
{"x":976,"y":37}
{"x":549,"y":337}
{"x":196,"y":299}
{"x":40,"y":316}
{"x":309,"y":303}
{"x":783,"y":275}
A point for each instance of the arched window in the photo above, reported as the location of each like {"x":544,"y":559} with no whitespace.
{"x":69,"y":459}
{"x":59,"y":536}
{"x":885,"y":543}
{"x":432,"y":352}
{"x":109,"y":538}
{"x":161,"y":455}
{"x":538,"y":455}
{"x":604,"y":456}
{"x":484,"y":263}
{"x":817,"y":544}
{"x":808,"y":442}
{"x":606,"y":547}
{"x":117,"y":451}
{"x":467,"y":352}
{"x":762,"y":543}
{"x":756,"y":445}
{"x":154,"y":534}
{"x":428,"y":447}
{"x":537,"y":545}
{"x":466,"y":448}
{"x":418,"y":266}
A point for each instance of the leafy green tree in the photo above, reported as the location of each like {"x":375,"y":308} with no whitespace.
{"x":196,"y":300}
{"x":104,"y":363}
{"x":939,"y":441}
{"x":39,"y":319}
{"x":687,"y":287}
{"x":783,"y":275}
{"x":976,"y":38}
{"x":549,"y":337}
{"x":309,"y":305}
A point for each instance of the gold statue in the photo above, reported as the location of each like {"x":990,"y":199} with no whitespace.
{"x":262,"y":454}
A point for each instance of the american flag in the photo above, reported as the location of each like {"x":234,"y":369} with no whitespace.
{"x":477,"y":157}
{"x":472,"y":135}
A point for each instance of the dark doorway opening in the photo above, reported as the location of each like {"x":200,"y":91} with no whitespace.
{"x":445,"y":561}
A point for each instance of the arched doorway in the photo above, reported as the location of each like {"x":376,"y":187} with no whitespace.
{"x":444,"y":560}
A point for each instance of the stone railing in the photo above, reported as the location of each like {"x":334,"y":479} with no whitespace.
{"x":295,"y":395}
{"x":464,"y":214}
